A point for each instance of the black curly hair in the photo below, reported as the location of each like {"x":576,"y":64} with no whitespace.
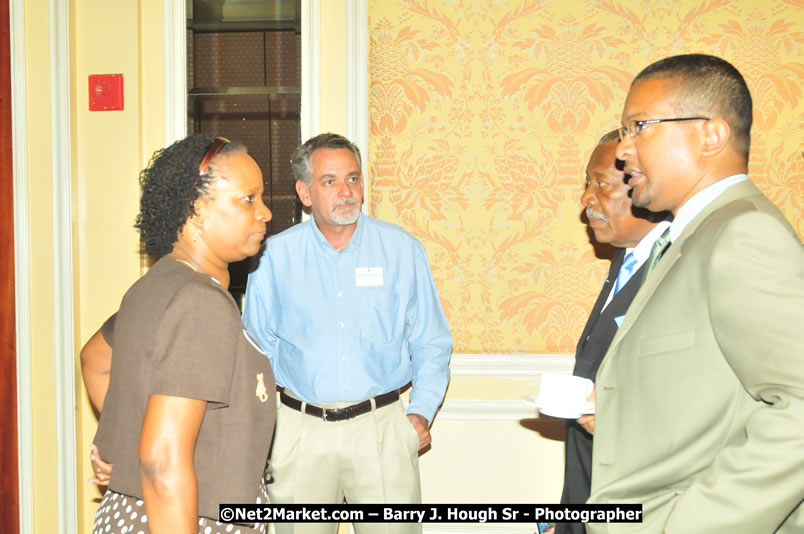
{"x":170,"y":185}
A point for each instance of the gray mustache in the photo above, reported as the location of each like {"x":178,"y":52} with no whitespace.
{"x":345,"y":202}
{"x":596,"y":214}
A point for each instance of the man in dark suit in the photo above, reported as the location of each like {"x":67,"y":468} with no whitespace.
{"x":615,"y":221}
{"x":700,"y":397}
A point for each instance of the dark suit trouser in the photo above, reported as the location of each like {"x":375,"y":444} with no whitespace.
{"x":577,"y":473}
{"x":597,"y":335}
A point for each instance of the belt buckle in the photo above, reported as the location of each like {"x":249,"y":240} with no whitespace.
{"x":324,"y":414}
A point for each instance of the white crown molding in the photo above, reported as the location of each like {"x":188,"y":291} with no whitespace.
{"x":63,"y":327}
{"x":22,"y":262}
{"x":174,"y":33}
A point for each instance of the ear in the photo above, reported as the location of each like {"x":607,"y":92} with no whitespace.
{"x":200,"y":207}
{"x":716,"y":136}
{"x":304,"y":193}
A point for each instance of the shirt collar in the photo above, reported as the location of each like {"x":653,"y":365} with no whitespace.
{"x":642,"y":249}
{"x":699,"y":201}
{"x":354,"y":243}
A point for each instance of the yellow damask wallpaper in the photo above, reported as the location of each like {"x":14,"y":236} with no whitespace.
{"x":483,"y":114}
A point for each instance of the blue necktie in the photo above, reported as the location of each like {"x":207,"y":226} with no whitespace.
{"x":626,"y":271}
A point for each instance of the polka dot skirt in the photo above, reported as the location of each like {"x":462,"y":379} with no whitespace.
{"x":121,"y":514}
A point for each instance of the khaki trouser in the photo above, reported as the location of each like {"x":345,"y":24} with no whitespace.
{"x":372,"y":458}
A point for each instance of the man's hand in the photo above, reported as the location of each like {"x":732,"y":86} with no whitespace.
{"x":421,"y":426}
{"x":102,"y":470}
{"x":588,"y":421}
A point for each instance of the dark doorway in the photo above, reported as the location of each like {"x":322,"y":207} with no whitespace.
{"x":244,"y":83}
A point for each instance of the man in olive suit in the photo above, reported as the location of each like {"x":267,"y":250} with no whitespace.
{"x":700,"y":398}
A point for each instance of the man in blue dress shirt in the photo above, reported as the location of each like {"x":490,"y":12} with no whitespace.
{"x":346,"y":309}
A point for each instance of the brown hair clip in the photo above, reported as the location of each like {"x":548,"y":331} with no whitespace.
{"x":210,"y":154}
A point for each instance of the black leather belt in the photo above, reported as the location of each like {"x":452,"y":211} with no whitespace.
{"x":339,"y":414}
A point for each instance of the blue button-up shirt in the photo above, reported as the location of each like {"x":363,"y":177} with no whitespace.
{"x":345,"y":327}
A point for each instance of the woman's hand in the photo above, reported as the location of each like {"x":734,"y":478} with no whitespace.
{"x":102,"y":470}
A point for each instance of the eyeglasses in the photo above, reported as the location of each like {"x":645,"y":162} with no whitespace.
{"x":210,"y":154}
{"x":637,"y":126}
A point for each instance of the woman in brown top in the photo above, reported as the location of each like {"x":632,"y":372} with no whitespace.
{"x":187,"y":405}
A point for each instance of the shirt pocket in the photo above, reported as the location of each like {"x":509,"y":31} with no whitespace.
{"x":383,"y":317}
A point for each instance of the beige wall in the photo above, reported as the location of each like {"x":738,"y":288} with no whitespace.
{"x":109,"y":148}
{"x":333,"y":66}
{"x":41,"y":267}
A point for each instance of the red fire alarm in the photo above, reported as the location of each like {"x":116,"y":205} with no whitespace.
{"x":105,"y":92}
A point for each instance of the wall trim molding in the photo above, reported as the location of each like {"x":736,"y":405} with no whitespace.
{"x":486,"y":410}
{"x":174,"y":30}
{"x":511,"y":365}
{"x":63,"y":308}
{"x":499,"y":366}
{"x":527,"y":366}
{"x":310,"y":119}
{"x":357,"y":77}
{"x":22,"y":263}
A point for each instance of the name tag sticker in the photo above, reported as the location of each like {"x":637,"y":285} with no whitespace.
{"x":368,"y":276}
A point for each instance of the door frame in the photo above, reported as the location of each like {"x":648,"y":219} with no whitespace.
{"x":63,"y":324}
{"x":356,"y":27}
{"x":19,"y":132}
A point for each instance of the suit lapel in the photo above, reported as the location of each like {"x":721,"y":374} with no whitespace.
{"x":622,"y":300}
{"x":614,"y":269}
{"x":598,"y":337}
{"x":676,"y":250}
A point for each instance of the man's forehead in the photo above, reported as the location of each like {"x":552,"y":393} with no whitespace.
{"x":649,"y":96}
{"x":326,"y":153}
{"x":329,"y":161}
{"x":603,"y":156}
